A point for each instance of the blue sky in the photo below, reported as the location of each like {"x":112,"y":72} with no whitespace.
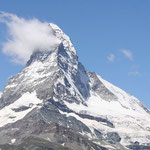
{"x":112,"y":38}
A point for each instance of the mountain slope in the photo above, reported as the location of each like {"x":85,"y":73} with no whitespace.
{"x":55,"y":99}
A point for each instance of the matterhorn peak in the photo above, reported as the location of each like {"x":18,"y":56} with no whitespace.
{"x":54,"y":99}
{"x":48,"y":70}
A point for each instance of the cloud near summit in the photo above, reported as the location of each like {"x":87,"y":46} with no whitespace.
{"x":24,"y":36}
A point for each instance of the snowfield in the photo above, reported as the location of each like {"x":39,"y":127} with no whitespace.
{"x":29,"y":101}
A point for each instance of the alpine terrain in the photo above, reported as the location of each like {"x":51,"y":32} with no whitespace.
{"x":54,"y":103}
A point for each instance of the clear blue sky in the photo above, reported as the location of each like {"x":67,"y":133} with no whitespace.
{"x":99,"y":29}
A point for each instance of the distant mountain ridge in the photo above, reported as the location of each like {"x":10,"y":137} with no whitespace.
{"x":54,"y":102}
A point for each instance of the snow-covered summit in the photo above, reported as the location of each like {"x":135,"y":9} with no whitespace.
{"x":65,"y":39}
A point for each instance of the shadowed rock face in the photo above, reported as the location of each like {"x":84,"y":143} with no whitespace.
{"x":137,"y":146}
{"x":58,"y":79}
{"x":34,"y":144}
{"x":100,"y":89}
{"x":113,"y":136}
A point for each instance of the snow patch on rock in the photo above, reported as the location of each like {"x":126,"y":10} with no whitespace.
{"x":13,"y":141}
{"x":8,"y":115}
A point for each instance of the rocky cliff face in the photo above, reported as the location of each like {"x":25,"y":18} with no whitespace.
{"x":54,"y":103}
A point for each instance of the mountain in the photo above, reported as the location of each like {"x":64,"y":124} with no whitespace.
{"x":54,"y":103}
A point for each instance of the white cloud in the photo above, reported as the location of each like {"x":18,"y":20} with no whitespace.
{"x":111,"y":57}
{"x":128,"y":54}
{"x":26,"y":36}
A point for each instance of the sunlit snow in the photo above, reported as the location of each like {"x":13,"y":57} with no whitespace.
{"x":8,"y":115}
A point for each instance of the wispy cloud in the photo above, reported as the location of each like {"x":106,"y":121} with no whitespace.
{"x":111,"y":58}
{"x":26,"y":36}
{"x":134,"y":73}
{"x":127,"y":54}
